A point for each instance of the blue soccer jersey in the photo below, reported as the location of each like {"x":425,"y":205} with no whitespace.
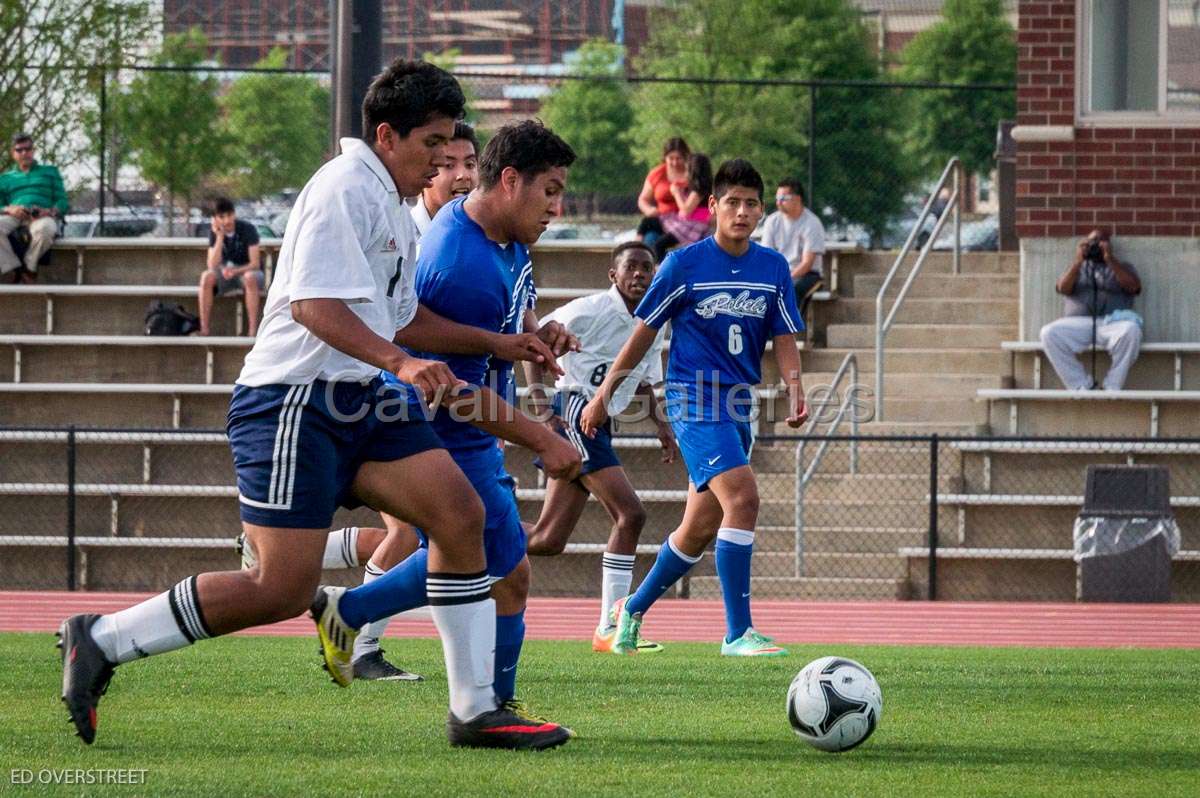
{"x":466,"y":277}
{"x":723,"y":310}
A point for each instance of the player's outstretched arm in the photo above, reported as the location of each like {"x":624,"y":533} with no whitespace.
{"x":787,"y":357}
{"x":430,"y":332}
{"x":485,"y":409}
{"x":639,"y":343}
{"x":337,"y":325}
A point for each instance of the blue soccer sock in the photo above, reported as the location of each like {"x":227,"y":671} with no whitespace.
{"x":668,"y":569}
{"x":734,"y":550}
{"x":401,"y":588}
{"x":510,"y":634}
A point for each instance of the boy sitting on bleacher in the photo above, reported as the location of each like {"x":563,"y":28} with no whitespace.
{"x":1098,"y":293}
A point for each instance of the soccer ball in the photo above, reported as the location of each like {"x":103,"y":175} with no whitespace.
{"x":834,"y":703}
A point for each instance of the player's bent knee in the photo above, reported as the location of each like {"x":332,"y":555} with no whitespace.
{"x":631,"y":520}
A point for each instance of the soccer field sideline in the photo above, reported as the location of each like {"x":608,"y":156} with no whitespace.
{"x":857,"y":623}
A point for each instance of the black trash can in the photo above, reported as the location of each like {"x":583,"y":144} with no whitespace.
{"x":1125,"y":535}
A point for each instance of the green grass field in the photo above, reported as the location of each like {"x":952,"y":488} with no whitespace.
{"x":255,"y":716}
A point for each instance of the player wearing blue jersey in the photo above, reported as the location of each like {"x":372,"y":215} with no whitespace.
{"x":726,"y":298}
{"x":309,"y":431}
{"x":474,"y":268}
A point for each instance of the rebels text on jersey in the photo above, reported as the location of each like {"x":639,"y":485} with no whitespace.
{"x":723,"y":310}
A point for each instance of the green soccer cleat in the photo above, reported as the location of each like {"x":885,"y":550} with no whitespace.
{"x":752,"y":644}
{"x":628,"y":634}
{"x":337,"y":638}
{"x":645,"y":646}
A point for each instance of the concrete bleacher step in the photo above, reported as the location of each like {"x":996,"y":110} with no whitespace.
{"x":850,"y":489}
{"x":920,"y":336}
{"x":995,"y":287}
{"x":881,"y":261}
{"x":862,"y":539}
{"x":909,"y":360}
{"x":855,"y":565}
{"x":1031,"y":522}
{"x":853,"y":310}
{"x":24,"y":310}
{"x":898,"y":428}
{"x":1159,"y":413}
{"x":1158,"y":367}
{"x":809,"y":588}
{"x":913,"y":383}
{"x":1032,"y":467}
{"x":868,"y":511}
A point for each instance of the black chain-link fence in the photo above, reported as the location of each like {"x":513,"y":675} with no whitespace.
{"x":165,"y":140}
{"x":841,"y":518}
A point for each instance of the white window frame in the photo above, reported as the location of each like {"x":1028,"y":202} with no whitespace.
{"x":1083,"y":81}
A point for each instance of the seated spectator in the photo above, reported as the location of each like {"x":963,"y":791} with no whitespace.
{"x":797,"y":233}
{"x":657,"y":199}
{"x":1098,"y":307}
{"x":233,"y":266}
{"x":692,"y":221}
{"x":32,"y":196}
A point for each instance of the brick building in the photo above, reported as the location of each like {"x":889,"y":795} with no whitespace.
{"x":1108,"y":135}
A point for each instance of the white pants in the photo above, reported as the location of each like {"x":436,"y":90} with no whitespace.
{"x":1065,"y":338}
{"x":41,"y":234}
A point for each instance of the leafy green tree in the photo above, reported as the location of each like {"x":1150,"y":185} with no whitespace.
{"x":973,"y":43}
{"x":41,"y":92}
{"x":594,"y":116}
{"x":277,"y":127}
{"x":859,"y":174}
{"x":171,"y":121}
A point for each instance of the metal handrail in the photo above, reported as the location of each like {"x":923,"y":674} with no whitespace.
{"x":882,"y":325}
{"x":804,"y":475}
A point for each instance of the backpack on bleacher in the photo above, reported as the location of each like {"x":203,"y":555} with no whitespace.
{"x":169,"y":319}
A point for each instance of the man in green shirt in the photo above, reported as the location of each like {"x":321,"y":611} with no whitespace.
{"x":31,"y":195}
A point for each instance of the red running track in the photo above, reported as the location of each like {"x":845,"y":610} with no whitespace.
{"x":886,"y":623}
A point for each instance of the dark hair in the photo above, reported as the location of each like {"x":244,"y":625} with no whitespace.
{"x":464,"y":132}
{"x":222,"y":206}
{"x":407,"y":95}
{"x":20,"y":138}
{"x":700,"y":176}
{"x":796,"y":186}
{"x":625,"y":246}
{"x":676,"y":144}
{"x":737,"y":172}
{"x":529,"y":147}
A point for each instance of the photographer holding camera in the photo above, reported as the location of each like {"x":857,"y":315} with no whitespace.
{"x":1098,"y":311}
{"x":31,"y":195}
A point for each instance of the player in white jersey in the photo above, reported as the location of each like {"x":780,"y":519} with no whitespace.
{"x":380,"y":549}
{"x":603,"y":323}
{"x":310,"y":429}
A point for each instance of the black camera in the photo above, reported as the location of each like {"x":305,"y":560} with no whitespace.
{"x":1094,"y":251}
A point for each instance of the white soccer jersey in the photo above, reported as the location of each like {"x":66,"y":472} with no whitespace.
{"x":349,"y":237}
{"x":420,"y":215}
{"x":603,"y":324}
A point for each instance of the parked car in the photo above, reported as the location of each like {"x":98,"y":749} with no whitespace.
{"x":980,"y":236}
{"x":117,"y":224}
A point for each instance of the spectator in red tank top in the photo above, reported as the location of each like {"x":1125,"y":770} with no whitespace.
{"x":657,"y":198}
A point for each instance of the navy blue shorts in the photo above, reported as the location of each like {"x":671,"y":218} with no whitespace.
{"x":297,"y":448}
{"x":503,"y":535}
{"x":597,"y":453}
{"x":710,"y":448}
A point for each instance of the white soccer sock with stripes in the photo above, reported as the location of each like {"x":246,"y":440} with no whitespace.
{"x":164,"y":623}
{"x":465,"y":617}
{"x":617,"y":576}
{"x":341,"y":549}
{"x":368,"y":637}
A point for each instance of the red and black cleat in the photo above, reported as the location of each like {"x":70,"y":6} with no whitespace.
{"x":86,"y":673}
{"x":502,"y":728}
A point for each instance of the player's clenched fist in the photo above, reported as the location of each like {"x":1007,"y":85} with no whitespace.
{"x":560,"y":459}
{"x":593,"y":417}
{"x":433,"y":377}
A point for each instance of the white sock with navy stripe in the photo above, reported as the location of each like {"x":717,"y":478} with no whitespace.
{"x":616,"y":577}
{"x":465,"y":616}
{"x":368,"y":637}
{"x":164,"y":623}
{"x":341,"y":549}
